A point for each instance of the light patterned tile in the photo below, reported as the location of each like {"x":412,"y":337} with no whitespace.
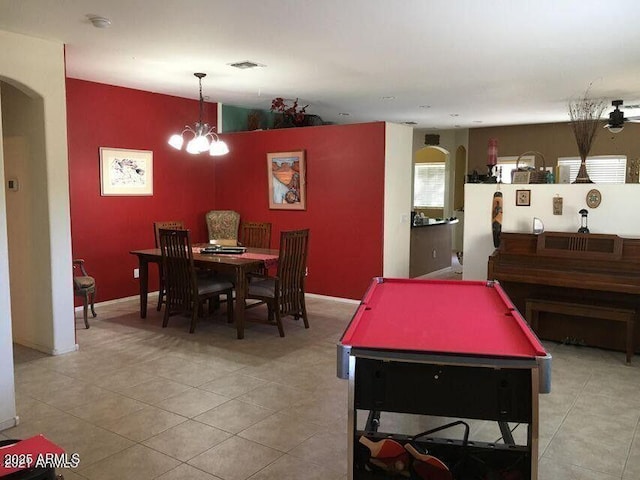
{"x":186,"y":472}
{"x":288,"y":466}
{"x":234,"y":416}
{"x":107,"y":409}
{"x":328,"y":449}
{"x":192,"y":402}
{"x":155,"y":390}
{"x":186,"y":440}
{"x":233,"y":385}
{"x":229,"y":459}
{"x":280,"y":431}
{"x":135,"y":463}
{"x":143,"y":424}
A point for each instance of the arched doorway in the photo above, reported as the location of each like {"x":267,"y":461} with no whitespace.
{"x":435,"y":179}
{"x":36,"y":215}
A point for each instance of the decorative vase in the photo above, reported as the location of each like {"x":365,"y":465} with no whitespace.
{"x":583,"y":175}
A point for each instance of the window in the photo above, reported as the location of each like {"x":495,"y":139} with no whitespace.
{"x":428,"y":185}
{"x":601,"y":168}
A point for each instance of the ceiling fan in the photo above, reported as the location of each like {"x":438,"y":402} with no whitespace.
{"x":617,"y":118}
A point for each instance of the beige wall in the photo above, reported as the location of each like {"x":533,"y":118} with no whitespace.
{"x":397,"y":200}
{"x":553,"y":140}
{"x":36,"y":68}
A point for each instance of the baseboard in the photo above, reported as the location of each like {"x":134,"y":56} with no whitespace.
{"x":335,"y":299}
{"x":151,"y":295}
{"x":12,"y":422}
{"x":44,"y":349}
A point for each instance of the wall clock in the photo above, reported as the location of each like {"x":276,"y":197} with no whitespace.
{"x":594,"y":197}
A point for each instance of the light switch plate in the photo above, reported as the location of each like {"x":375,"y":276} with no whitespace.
{"x":13,"y":184}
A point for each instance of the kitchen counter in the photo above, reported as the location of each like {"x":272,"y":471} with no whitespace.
{"x":431,"y":248}
{"x":437,"y":221}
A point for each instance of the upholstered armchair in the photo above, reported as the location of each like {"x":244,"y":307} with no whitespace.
{"x":223,"y":226}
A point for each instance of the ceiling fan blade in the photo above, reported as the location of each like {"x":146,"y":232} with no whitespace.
{"x":632,"y":119}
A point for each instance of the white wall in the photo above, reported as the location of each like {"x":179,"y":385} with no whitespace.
{"x":7,"y":393}
{"x":616,"y":215}
{"x":36,"y":67}
{"x":397,"y":200}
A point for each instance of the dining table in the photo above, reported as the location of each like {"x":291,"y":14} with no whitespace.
{"x":237,"y":266}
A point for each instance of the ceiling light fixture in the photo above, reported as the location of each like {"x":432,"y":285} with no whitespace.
{"x":204,"y":137}
{"x":99,"y":22}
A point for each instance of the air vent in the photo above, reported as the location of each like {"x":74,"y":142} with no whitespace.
{"x":431,"y":139}
{"x":246,"y":64}
{"x":410,"y":123}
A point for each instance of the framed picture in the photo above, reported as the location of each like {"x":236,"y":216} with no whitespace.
{"x":126,"y":172}
{"x":521,"y":177}
{"x":287,"y":184}
{"x":523,"y":198}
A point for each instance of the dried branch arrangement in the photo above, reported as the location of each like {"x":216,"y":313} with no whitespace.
{"x":585,"y":116}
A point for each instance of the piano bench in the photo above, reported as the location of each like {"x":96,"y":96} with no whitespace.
{"x":534,"y":306}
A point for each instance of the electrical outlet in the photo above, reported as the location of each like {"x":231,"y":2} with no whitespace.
{"x":433,"y":253}
{"x":136,"y":273}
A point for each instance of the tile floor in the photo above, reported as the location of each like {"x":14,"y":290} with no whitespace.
{"x":141,"y":402}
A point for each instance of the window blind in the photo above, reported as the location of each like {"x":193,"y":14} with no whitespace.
{"x":428,"y":185}
{"x":601,"y":169}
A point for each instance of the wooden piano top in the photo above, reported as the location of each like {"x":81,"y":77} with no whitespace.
{"x":563,"y":259}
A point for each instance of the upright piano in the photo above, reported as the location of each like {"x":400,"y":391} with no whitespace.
{"x":582,"y":268}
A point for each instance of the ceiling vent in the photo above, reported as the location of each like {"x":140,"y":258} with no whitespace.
{"x":245,"y":65}
{"x":431,"y":139}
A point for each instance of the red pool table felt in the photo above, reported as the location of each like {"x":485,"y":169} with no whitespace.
{"x":440,"y":316}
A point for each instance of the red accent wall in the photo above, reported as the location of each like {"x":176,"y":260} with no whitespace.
{"x":345,"y":188}
{"x":105,"y":229}
{"x":345,"y":198}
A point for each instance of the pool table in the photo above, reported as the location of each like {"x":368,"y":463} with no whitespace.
{"x":453,"y":349}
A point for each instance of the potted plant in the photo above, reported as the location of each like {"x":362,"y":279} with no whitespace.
{"x":289,"y":116}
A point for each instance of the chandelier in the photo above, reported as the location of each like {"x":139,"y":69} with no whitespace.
{"x":204,"y":137}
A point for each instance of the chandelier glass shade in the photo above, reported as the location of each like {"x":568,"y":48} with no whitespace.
{"x":203,"y":136}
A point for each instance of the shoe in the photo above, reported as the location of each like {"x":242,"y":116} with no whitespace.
{"x":388,"y":455}
{"x":428,"y":467}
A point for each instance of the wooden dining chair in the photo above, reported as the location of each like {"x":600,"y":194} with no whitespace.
{"x":187,"y":292}
{"x":84,"y":286}
{"x":284,"y":293}
{"x":169,"y":225}
{"x":222,"y":226}
{"x":255,"y":234}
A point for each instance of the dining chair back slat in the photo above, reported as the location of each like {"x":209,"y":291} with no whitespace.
{"x":185,"y":291}
{"x":284,"y":293}
{"x":168,"y":225}
{"x":255,"y":234}
{"x":292,"y":265}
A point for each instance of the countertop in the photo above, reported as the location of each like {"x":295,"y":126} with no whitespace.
{"x":437,"y":221}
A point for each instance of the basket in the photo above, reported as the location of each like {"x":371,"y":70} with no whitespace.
{"x":536,"y":174}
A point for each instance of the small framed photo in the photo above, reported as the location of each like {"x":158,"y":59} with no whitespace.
{"x":521,"y":177}
{"x":523,"y":198}
{"x":287,"y":180}
{"x":126,"y":172}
